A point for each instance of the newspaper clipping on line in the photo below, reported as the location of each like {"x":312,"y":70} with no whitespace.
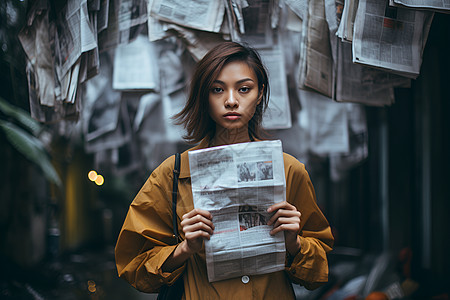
{"x":236,"y":184}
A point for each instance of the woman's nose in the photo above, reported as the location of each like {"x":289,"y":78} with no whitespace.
{"x":231,"y":100}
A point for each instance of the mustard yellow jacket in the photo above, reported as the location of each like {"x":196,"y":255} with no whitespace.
{"x":146,"y":238}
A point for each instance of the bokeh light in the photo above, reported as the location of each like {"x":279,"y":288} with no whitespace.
{"x":99,"y":180}
{"x":92,"y":175}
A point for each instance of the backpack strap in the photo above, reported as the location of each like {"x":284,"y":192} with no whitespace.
{"x":176,"y":174}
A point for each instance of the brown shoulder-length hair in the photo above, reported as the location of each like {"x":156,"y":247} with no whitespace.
{"x":195,"y":114}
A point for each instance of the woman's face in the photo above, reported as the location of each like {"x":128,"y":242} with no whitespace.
{"x":234,"y":96}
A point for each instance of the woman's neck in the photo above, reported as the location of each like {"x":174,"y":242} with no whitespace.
{"x":225,"y":136}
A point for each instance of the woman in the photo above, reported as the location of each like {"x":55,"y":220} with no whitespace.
{"x":228,"y":94}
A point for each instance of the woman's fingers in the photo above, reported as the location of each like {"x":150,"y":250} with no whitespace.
{"x":199,"y":234}
{"x":284,"y":215}
{"x":203,"y":226}
{"x":290,"y":225}
{"x":286,"y":218}
{"x":283,"y":209}
{"x":197,"y":220}
{"x":281,"y":205}
{"x":197,"y":225}
{"x":197,"y":211}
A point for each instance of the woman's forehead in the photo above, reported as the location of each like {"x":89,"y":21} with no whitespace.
{"x":236,"y":70}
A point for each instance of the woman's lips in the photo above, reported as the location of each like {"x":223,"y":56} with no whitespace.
{"x":232,"y":116}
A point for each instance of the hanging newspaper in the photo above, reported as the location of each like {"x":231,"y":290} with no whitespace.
{"x":74,"y":35}
{"x":200,"y":14}
{"x":363,"y":84}
{"x":256,"y":19}
{"x":35,"y":43}
{"x":236,"y":184}
{"x":326,"y":122}
{"x":391,"y":38}
{"x":135,"y":66}
{"x":442,"y":6}
{"x":319,"y":63}
{"x":278,"y":112}
{"x":346,"y":24}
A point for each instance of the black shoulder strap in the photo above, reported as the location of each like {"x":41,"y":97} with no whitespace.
{"x":176,"y":173}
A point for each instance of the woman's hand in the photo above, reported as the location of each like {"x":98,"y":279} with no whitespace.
{"x":286,"y":218}
{"x":197,"y":225}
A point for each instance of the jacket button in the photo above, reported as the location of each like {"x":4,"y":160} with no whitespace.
{"x":245,"y":279}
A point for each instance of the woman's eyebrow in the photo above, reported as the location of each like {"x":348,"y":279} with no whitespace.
{"x":237,"y":82}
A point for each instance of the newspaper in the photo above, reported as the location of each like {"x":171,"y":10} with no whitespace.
{"x":278,"y":112}
{"x":93,"y":5}
{"x":327,"y":124}
{"x":299,"y":7}
{"x":74,"y":35}
{"x":346,"y":25}
{"x":46,"y":114}
{"x":101,"y":111}
{"x":151,"y":135}
{"x":391,"y":38}
{"x":290,"y":40}
{"x":132,"y":13}
{"x":302,"y":53}
{"x":442,"y":6}
{"x":102,"y":15}
{"x":236,"y":184}
{"x":125,"y":20}
{"x":108,"y":38}
{"x":35,"y":42}
{"x":333,"y":14}
{"x":146,"y":103}
{"x":342,"y":163}
{"x":293,"y":21}
{"x":173,"y":92}
{"x":72,"y":84}
{"x":135,"y":66}
{"x":90,"y":62}
{"x":198,"y":14}
{"x":237,"y":6}
{"x":157,"y":30}
{"x":258,"y":31}
{"x":356,"y":82}
{"x":319,"y":62}
{"x":234,"y":20}
{"x":101,"y":139}
{"x":197,"y":42}
{"x":363,"y":84}
{"x":38,"y":42}
{"x":277,"y":10}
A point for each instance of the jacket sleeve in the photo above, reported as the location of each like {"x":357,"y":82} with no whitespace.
{"x":310,"y":266}
{"x":146,"y":238}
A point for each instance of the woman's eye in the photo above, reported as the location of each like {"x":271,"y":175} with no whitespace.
{"x":244,"y":89}
{"x":217,"y":90}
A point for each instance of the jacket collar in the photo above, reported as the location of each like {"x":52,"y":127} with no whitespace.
{"x":184,"y":168}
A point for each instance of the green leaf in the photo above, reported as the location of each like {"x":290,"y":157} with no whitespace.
{"x":21,"y":116}
{"x":32,"y":148}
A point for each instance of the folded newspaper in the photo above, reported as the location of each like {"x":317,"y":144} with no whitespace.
{"x":236,"y":184}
